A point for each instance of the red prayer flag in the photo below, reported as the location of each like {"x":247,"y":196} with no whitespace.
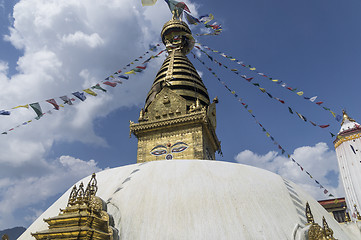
{"x":112,"y":84}
{"x":53,"y":102}
{"x":319,"y":103}
{"x":281,"y":101}
{"x":119,"y":71}
{"x":141,"y":67}
{"x":324,"y":126}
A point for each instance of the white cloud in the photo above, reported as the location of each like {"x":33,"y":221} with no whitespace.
{"x":22,"y":191}
{"x":80,"y":38}
{"x":318,"y":160}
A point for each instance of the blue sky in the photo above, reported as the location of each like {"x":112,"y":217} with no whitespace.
{"x":49,"y":49}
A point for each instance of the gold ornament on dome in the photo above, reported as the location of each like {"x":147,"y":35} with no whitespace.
{"x":84,"y":218}
{"x":315,"y":231}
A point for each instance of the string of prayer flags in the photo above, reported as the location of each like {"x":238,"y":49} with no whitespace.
{"x":113,"y":80}
{"x":281,"y":83}
{"x":79,"y":95}
{"x":53,"y":102}
{"x":191,"y":20}
{"x":245,"y":105}
{"x":263,"y":90}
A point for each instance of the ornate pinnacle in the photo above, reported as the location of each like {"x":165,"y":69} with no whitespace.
{"x":309,"y":215}
{"x":357,"y":213}
{"x":328,"y":231}
{"x":346,"y":117}
{"x":72,"y":196}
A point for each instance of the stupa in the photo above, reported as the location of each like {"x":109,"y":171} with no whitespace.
{"x":176,"y":190}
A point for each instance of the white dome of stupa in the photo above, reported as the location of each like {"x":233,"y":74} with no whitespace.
{"x":200,"y":199}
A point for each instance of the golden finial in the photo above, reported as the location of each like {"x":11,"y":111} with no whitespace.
{"x":72,"y":196}
{"x":92,"y":187}
{"x":80,"y":194}
{"x":5,"y":237}
{"x":215,"y":100}
{"x":327,"y":230}
{"x":346,"y":117}
{"x":309,"y":215}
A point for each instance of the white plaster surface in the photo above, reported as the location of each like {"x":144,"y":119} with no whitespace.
{"x":348,"y":125}
{"x":200,"y":199}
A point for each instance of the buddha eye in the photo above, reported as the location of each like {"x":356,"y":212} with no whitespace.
{"x":158,"y":152}
{"x":179,"y":147}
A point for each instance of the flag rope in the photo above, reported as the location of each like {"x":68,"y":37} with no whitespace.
{"x":246,"y":106}
{"x":279,"y":82}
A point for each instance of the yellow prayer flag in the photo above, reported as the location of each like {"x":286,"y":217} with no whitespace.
{"x":300,"y":93}
{"x":233,"y":59}
{"x":275,"y":80}
{"x":333,"y":114}
{"x":61,"y":105}
{"x":252,"y":69}
{"x":267,"y":134}
{"x":250,"y":111}
{"x":233,"y":92}
{"x":262,"y":89}
{"x":90,"y":92}
{"x":215,"y":51}
{"x":24,"y":106}
{"x":130,"y":72}
{"x":148,"y":2}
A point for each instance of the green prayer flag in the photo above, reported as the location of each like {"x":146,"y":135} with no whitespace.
{"x":37,"y":109}
{"x":99,"y":87}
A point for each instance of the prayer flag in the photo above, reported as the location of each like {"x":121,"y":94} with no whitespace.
{"x":319,"y":103}
{"x":252,"y":69}
{"x":142,"y":67}
{"x":37,"y":109}
{"x":324,"y":126}
{"x":333,"y":114}
{"x":325,"y":191}
{"x":148,"y":2}
{"x":275,"y":80}
{"x":122,"y":76}
{"x":79,"y":95}
{"x":24,"y":106}
{"x":53,"y":102}
{"x":97,"y":86}
{"x":314,"y":124}
{"x":3,"y":112}
{"x":206,"y":18}
{"x":90,"y":92}
{"x":338,"y":118}
{"x":312,"y":99}
{"x":191,"y":19}
{"x":130,"y":72}
{"x":66,"y":100}
{"x":112,"y":84}
{"x":262,"y":90}
{"x":326,"y":108}
{"x":302,"y":117}
{"x":300,"y":93}
{"x":290,"y":110}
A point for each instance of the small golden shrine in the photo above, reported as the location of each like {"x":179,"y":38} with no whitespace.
{"x":84,"y":218}
{"x":178,"y":121}
{"x":315,"y":231}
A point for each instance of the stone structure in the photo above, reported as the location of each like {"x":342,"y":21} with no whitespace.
{"x":178,"y":120}
{"x":348,"y":150}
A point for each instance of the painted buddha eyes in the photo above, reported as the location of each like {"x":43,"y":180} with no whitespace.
{"x":168,"y":149}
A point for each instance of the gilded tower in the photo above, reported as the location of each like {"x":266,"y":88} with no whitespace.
{"x":178,"y":121}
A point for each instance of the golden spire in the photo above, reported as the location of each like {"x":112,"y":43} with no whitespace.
{"x":177,"y":72}
{"x":346,"y":117}
{"x":357,"y":213}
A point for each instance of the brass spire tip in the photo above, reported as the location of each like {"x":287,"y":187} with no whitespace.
{"x":346,"y":117}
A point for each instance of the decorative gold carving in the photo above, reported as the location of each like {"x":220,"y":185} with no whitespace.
{"x":84,"y":218}
{"x":347,"y":218}
{"x":346,"y":138}
{"x":315,"y":231}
